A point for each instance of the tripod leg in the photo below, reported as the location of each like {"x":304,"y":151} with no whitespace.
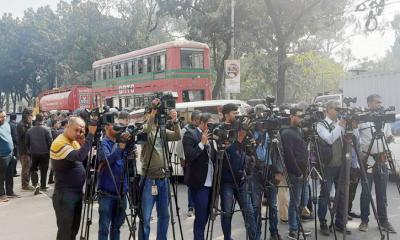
{"x":365,"y":183}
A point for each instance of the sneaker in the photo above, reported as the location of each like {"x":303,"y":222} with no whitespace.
{"x":37,"y":190}
{"x":293,"y":235}
{"x":363,"y":227}
{"x":341,"y":230}
{"x":387,"y":227}
{"x":190,"y":212}
{"x":50,"y":182}
{"x":44,"y":189}
{"x":276,"y":237}
{"x":4,"y":198}
{"x":13,"y":195}
{"x":307,"y":232}
{"x":284,"y":220}
{"x":323,"y":228}
{"x":28,"y":188}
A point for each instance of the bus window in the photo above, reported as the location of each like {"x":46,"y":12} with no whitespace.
{"x":98,"y":74}
{"x":160,"y":63}
{"x":193,"y":95}
{"x":110,"y":72}
{"x":126,"y":68}
{"x":130,"y":68}
{"x":192,"y":59}
{"x":134,"y":67}
{"x":104,"y":73}
{"x":149,"y":64}
{"x":117,"y":70}
{"x":140,"y":66}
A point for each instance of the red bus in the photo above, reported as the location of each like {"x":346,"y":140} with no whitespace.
{"x":131,"y":79}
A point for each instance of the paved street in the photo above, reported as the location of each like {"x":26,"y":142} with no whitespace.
{"x":32,"y":217}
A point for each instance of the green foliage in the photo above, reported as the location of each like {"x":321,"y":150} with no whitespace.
{"x":61,"y":46}
{"x":312,"y":73}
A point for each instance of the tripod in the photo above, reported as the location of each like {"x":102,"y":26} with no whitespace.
{"x":276,"y":145}
{"x":222,"y":156}
{"x":351,"y":142}
{"x":316,"y":173}
{"x":166,"y":155}
{"x":90,"y":193}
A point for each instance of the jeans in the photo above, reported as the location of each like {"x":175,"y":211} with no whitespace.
{"x":201,"y":199}
{"x":111,"y":216}
{"x":380,"y":177}
{"x":332,"y":177}
{"x":68,"y":208}
{"x":271,"y":192}
{"x":162,"y":203}
{"x":228,"y":193}
{"x":6,"y":176}
{"x":190,"y":199}
{"x":298,"y":195}
{"x":41,"y":161}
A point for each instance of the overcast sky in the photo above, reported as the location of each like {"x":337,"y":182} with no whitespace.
{"x":373,"y":46}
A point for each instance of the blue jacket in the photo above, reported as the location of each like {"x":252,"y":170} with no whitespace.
{"x":110,"y":151}
{"x":6,"y":141}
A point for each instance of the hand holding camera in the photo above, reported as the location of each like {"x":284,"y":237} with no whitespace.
{"x":204,"y":137}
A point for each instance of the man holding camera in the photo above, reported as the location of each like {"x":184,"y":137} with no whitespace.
{"x":234,"y":184}
{"x":155,"y":183}
{"x":376,"y":167}
{"x":295,"y":156}
{"x":200,"y":154}
{"x":331,"y":132}
{"x":266,"y":175}
{"x":112,"y":183}
{"x":195,"y":122}
{"x":66,"y":156}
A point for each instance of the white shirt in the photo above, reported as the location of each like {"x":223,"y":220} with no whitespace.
{"x":366,"y":130}
{"x":330,"y":137}
{"x":210,"y":171}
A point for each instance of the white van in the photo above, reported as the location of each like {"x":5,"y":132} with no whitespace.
{"x":185,"y":110}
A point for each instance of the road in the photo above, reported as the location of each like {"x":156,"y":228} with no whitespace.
{"x":32,"y":217}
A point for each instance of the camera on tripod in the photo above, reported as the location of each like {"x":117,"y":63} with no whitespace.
{"x":166,"y":104}
{"x":379,"y":116}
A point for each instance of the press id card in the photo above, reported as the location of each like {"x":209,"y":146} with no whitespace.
{"x":154,"y":190}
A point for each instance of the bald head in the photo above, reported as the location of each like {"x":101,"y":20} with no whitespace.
{"x":75,"y":128}
{"x":76,"y":121}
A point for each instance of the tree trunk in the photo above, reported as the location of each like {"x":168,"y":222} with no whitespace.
{"x":220,"y":68}
{"x":7,"y":102}
{"x":282,"y":66}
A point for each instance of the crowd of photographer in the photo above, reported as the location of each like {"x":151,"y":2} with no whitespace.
{"x":249,"y":160}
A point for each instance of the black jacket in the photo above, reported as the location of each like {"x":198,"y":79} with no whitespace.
{"x":38,"y":140}
{"x":197,"y":159}
{"x":294,"y":151}
{"x":22,"y":128}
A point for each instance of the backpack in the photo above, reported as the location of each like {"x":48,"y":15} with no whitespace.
{"x":325,"y":149}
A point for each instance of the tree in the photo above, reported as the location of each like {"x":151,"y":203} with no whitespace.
{"x":311,"y":73}
{"x":209,"y":21}
{"x":279,"y":26}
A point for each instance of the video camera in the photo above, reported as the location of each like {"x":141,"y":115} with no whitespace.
{"x":313,"y":114}
{"x":167,"y":103}
{"x":378,"y":117}
{"x":130,"y":133}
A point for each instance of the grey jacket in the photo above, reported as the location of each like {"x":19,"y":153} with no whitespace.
{"x":38,"y":140}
